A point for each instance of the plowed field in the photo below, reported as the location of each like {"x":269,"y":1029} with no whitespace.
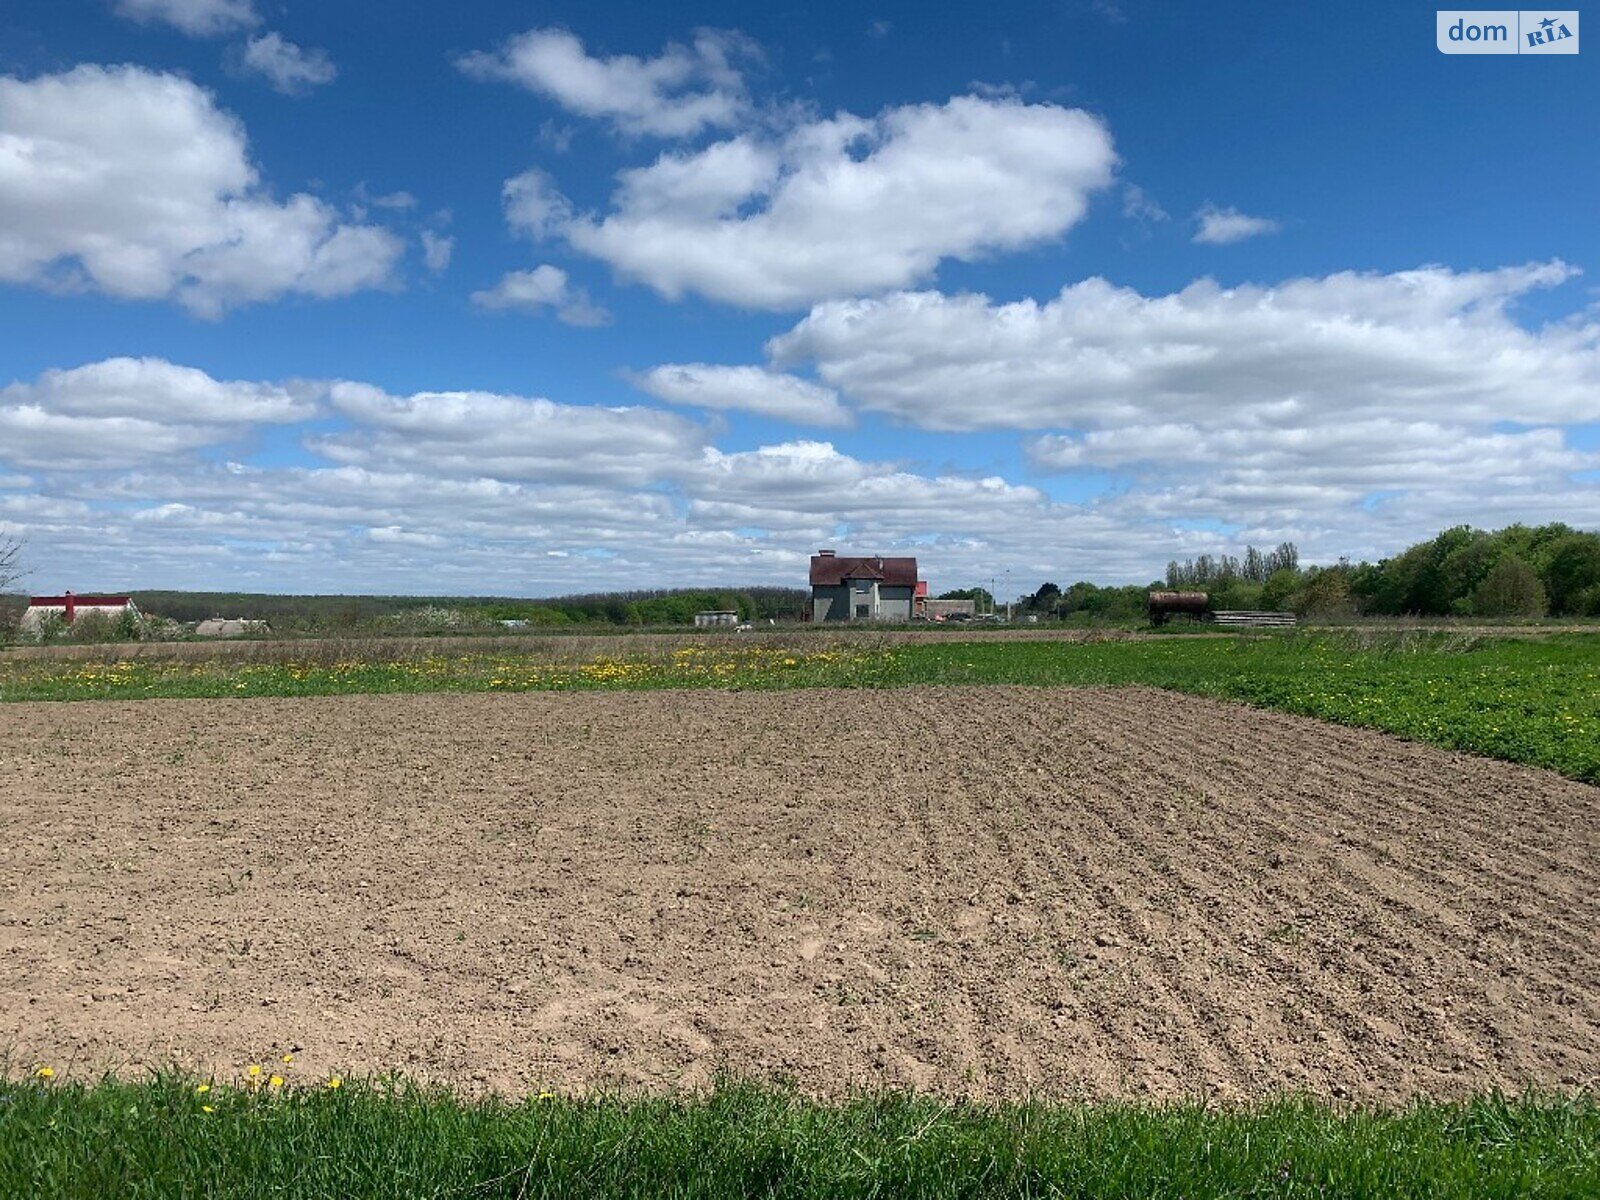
{"x":983,"y":891}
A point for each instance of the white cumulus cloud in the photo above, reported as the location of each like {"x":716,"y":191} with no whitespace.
{"x":197,"y":18}
{"x":841,"y":206}
{"x":116,"y":470}
{"x":534,"y":205}
{"x":812,"y":485}
{"x":678,"y":93}
{"x":544,"y":287}
{"x":134,"y":183}
{"x":288,"y":68}
{"x":1319,"y":405}
{"x":1428,"y":344}
{"x":1138,"y":205}
{"x":437,"y":249}
{"x":1224,"y":226}
{"x":1337,"y":463}
{"x":484,"y":434}
{"x":124,"y":411}
{"x":745,"y":389}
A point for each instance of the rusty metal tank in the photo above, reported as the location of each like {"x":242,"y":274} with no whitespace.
{"x":1163,"y":605}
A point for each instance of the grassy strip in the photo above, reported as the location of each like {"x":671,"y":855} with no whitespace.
{"x":1534,"y":701}
{"x":163,"y":1138}
{"x":1529,"y":700}
{"x":725,"y":666}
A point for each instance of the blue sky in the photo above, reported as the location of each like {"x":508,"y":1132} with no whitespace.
{"x":469,"y":298}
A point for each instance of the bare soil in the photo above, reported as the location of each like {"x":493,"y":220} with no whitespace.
{"x":978,"y":891}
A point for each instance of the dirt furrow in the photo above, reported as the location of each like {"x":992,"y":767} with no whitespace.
{"x":1348,"y":872}
{"x":980,"y":891}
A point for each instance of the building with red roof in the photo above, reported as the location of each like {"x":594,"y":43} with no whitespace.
{"x":863,"y":589}
{"x":69,"y":607}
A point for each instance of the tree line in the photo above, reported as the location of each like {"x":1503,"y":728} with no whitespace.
{"x":1518,"y":571}
{"x":660,"y":607}
{"x":1208,"y":571}
{"x":1522,"y":570}
{"x":313,"y":615}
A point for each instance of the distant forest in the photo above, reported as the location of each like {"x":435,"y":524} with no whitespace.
{"x":660,"y":607}
{"x":1519,"y":571}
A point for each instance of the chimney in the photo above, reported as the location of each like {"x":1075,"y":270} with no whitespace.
{"x":72,"y":607}
{"x":824,"y":553}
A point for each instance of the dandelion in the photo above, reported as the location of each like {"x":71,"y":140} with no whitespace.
{"x":547,"y":1095}
{"x":276,"y":1081}
{"x":335,"y":1084}
{"x":288,"y":1058}
{"x":202,"y":1089}
{"x":46,"y":1072}
{"x":253,"y":1070}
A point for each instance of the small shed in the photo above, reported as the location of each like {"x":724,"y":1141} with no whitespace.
{"x":717,"y":616}
{"x":69,"y":607}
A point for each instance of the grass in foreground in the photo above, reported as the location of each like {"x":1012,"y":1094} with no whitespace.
{"x":1529,"y":700}
{"x":167,"y":1137}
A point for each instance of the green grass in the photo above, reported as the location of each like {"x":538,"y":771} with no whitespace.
{"x":154,"y":1139}
{"x":1527,"y":699}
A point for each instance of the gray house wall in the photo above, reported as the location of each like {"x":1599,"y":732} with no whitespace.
{"x":840,"y":603}
{"x":830,"y":603}
{"x":894,"y":603}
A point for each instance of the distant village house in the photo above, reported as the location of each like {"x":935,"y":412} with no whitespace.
{"x":862,"y":589}
{"x":69,"y":607}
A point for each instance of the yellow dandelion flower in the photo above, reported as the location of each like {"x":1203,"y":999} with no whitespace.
{"x":253,"y":1070}
{"x":335,"y":1083}
{"x":207,"y":1108}
{"x":547,"y":1095}
{"x":275,"y":1081}
{"x":202,"y":1089}
{"x":288,"y":1058}
{"x":46,"y":1072}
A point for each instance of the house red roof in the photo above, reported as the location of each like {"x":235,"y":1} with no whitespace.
{"x":80,"y":601}
{"x":829,"y":570}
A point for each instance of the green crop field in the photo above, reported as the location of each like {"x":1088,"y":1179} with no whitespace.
{"x":1526,"y":699}
{"x":171,"y":1137}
